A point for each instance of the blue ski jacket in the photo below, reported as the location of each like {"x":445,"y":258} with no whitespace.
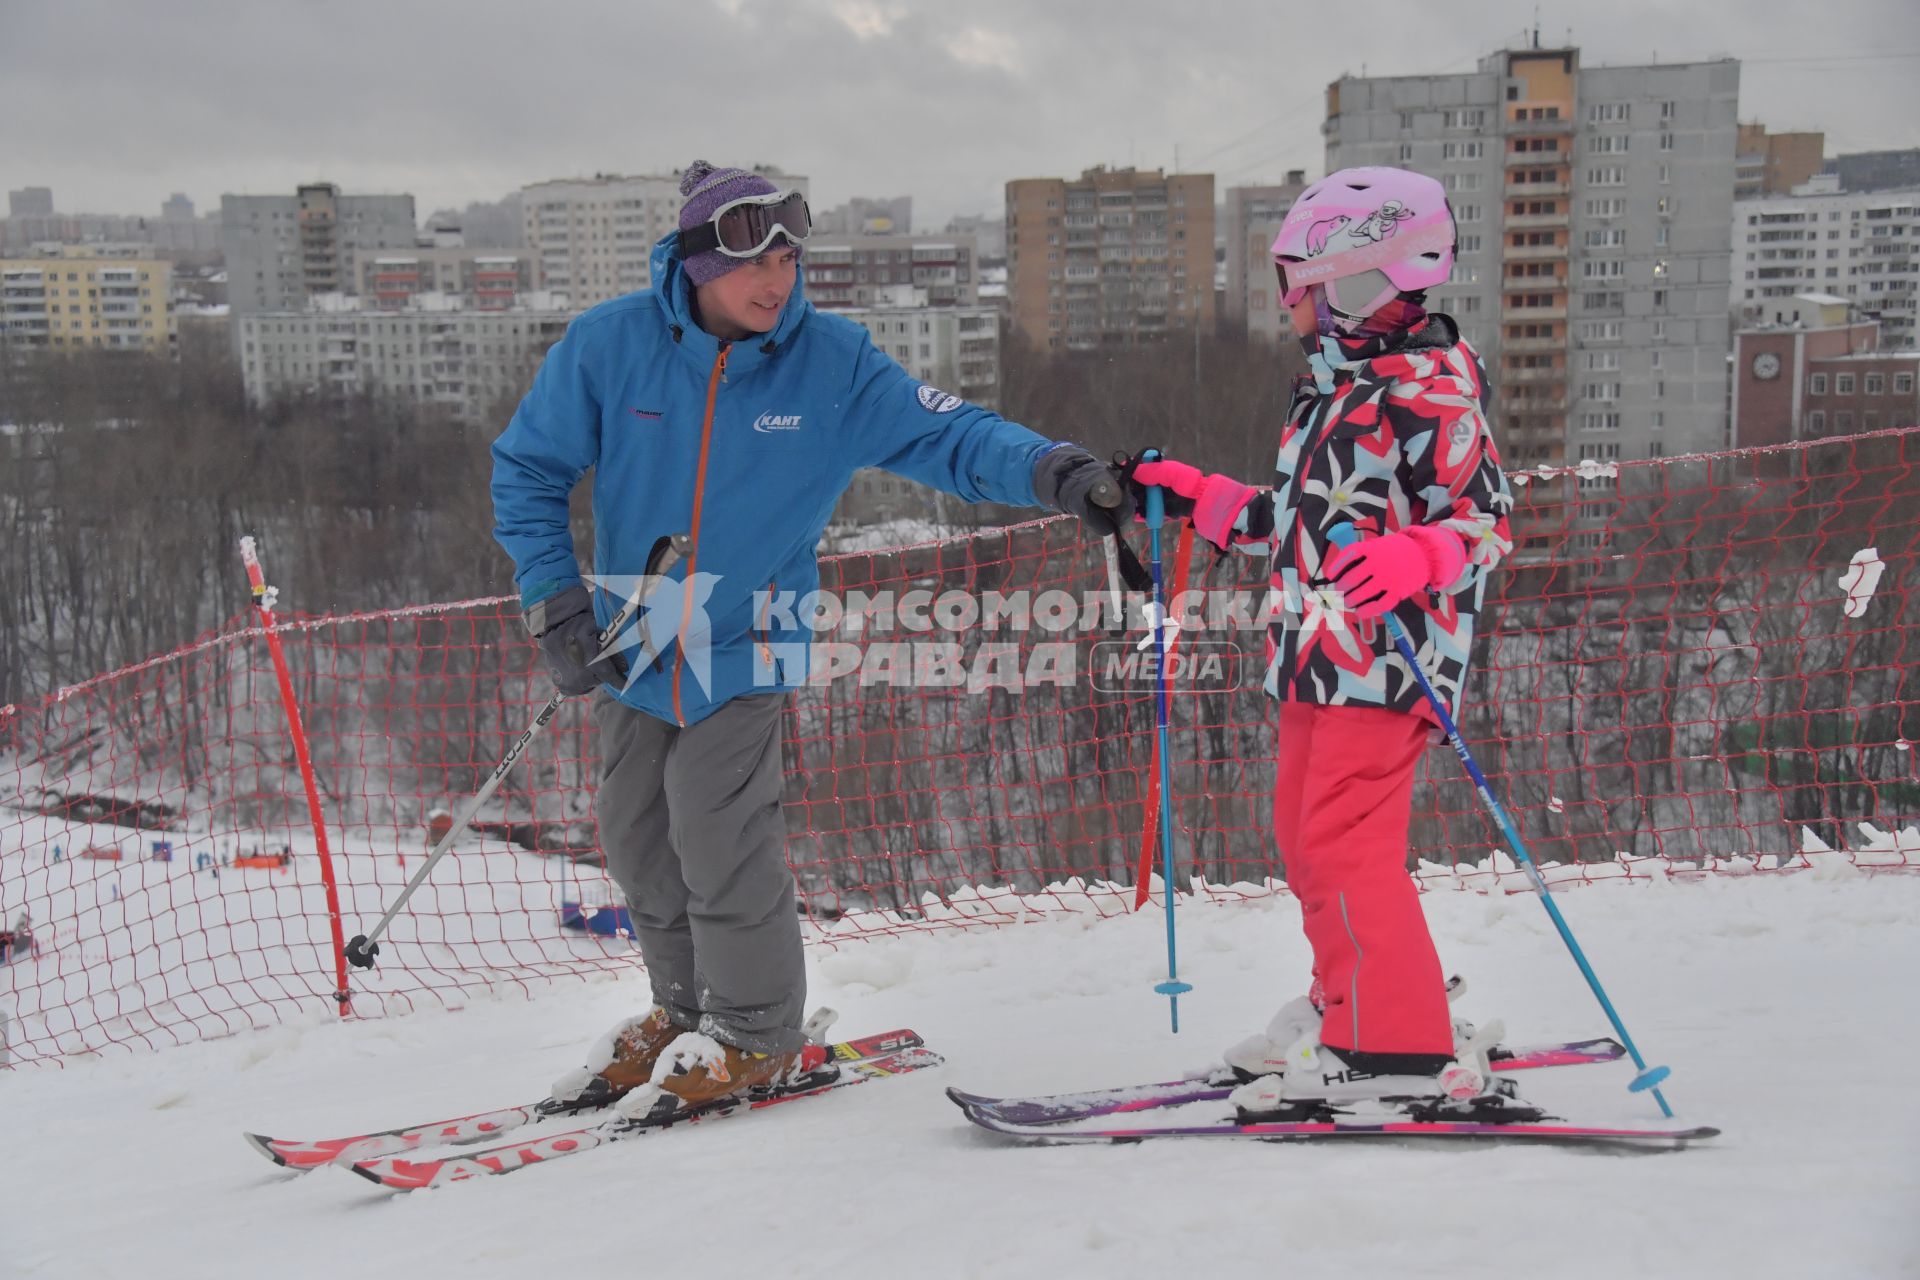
{"x":747,"y":447}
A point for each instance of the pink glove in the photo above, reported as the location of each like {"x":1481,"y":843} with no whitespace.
{"x":1213,"y":501}
{"x":1375,"y":574}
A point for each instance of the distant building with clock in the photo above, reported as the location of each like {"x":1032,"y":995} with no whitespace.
{"x":1813,"y":373}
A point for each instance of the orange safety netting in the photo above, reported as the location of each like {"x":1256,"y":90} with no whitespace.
{"x":1668,"y":673}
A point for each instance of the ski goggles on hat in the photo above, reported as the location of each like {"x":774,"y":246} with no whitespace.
{"x":1350,"y":298}
{"x":746,"y":227}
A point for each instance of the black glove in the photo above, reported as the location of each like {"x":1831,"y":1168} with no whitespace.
{"x":1068,"y":478}
{"x":1176,"y":505}
{"x":569,"y":637}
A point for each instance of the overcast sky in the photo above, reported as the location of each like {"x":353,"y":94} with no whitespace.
{"x":117,"y":103}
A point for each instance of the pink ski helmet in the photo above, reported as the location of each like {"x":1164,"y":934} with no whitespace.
{"x":1368,"y":235}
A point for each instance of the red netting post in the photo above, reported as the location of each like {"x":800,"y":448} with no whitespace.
{"x":263,"y":601}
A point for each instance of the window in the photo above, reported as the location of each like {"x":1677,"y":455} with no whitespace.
{"x":1607,"y":238}
{"x":1406,"y":152}
{"x":1659,"y":330}
{"x":1603,"y":361}
{"x":1469,"y":244}
{"x":1667,"y":110}
{"x":1603,"y":269}
{"x":1465,"y":119}
{"x":1406,"y":119}
{"x":1609,"y":112}
{"x":1461,"y":150}
{"x":1600,"y":422}
{"x":1666,"y":174}
{"x":1660,"y":236}
{"x":1843,"y":422}
{"x":1664,"y":205}
{"x":1658,"y":420}
{"x":1609,"y":207}
{"x":1466,"y":213}
{"x":1817,"y":385}
{"x":1462,"y":181}
{"x":1611,"y":175}
{"x":1609,"y":144}
{"x":1659,"y":298}
{"x":1843,"y":384}
{"x":1876,"y":384}
{"x":1600,"y":331}
{"x":1601,"y":391}
{"x":1903,"y":384}
{"x":1660,"y":269}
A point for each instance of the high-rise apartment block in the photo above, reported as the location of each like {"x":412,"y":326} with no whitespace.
{"x":80,"y":300}
{"x":1864,"y":248}
{"x":1595,"y":208}
{"x":282,"y":250}
{"x":1877,"y":170}
{"x":30,"y":202}
{"x":594,"y":235}
{"x":867,"y":216}
{"x":1115,"y":256}
{"x":856,"y":271}
{"x":433,"y":352}
{"x":1252,"y":218}
{"x":1773,"y":164}
{"x":485,"y":279}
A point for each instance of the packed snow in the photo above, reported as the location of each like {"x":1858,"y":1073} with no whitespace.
{"x":1783,"y":1002}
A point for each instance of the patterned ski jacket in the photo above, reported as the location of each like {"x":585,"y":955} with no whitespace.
{"x":1401,"y":439}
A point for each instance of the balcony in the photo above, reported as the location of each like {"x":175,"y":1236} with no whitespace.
{"x":1531,"y":404}
{"x":1525,"y":159}
{"x":1535,"y":253}
{"x":1536,"y":221}
{"x":1558,"y":187}
{"x":1529,"y":376}
{"x":1522,"y":346}
{"x":1522,"y":315}
{"x":1536,"y":128}
{"x":1527,"y":284}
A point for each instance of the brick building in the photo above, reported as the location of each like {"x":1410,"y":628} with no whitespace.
{"x":1821,"y":375}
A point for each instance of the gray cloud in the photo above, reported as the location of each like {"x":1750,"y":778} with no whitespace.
{"x":116,"y":104}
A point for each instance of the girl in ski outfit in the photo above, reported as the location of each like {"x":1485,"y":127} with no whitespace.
{"x":1387,"y":435}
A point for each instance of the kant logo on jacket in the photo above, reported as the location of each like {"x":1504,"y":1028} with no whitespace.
{"x":776,"y":422}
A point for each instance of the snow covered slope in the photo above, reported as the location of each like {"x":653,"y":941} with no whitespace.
{"x":1784,"y":1004}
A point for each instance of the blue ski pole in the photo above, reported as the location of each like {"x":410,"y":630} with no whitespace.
{"x":1649,"y":1079}
{"x":1172,"y":988}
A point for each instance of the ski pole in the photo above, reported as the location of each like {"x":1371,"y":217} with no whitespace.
{"x":1649,"y":1078}
{"x":365,"y":947}
{"x":1172,"y":988}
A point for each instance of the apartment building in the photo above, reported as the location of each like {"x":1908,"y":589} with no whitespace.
{"x":282,"y":250}
{"x":594,"y":236}
{"x":433,"y":352}
{"x":952,"y":348}
{"x":1113,"y":257}
{"x":1773,"y":164}
{"x":77,"y":299}
{"x":1251,"y":221}
{"x":867,"y":216}
{"x":1595,"y":208}
{"x":1864,"y":247}
{"x":854,"y":271}
{"x":485,"y":279}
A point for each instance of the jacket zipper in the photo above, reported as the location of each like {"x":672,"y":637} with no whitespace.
{"x":714,"y":380}
{"x":766,"y":613}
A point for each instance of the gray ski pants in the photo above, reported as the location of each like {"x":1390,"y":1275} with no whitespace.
{"x":690,"y":823}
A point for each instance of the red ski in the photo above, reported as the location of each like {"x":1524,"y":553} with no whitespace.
{"x":303,"y":1154}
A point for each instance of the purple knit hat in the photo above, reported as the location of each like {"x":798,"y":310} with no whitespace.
{"x":706,"y":189}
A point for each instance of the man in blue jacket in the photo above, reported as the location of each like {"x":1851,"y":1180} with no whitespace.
{"x":721,"y":406}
